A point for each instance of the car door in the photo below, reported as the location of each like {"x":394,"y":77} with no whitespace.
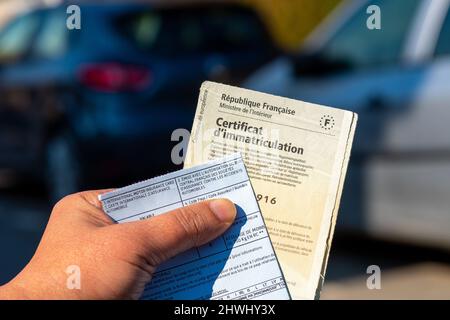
{"x":407,"y":191}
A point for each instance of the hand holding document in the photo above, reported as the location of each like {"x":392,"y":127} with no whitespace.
{"x":241,"y":264}
{"x":296,"y":156}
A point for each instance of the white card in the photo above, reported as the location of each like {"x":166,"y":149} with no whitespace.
{"x":241,"y":264}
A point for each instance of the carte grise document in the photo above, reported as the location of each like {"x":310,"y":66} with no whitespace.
{"x":296,"y":154}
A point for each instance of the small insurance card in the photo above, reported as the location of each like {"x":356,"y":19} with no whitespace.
{"x":241,"y":264}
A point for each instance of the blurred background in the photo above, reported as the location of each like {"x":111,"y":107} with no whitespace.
{"x":96,"y":107}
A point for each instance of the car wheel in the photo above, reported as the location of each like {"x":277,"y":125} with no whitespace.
{"x":62,"y":168}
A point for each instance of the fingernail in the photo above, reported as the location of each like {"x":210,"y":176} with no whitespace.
{"x":224,"y":209}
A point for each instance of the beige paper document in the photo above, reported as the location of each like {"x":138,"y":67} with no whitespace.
{"x":296,"y":154}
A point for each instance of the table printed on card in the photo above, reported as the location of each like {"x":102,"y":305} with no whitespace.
{"x":240,"y":264}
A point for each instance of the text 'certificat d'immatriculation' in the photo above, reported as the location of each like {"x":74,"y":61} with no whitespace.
{"x":241,"y":264}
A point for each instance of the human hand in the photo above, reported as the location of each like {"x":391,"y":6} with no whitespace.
{"x":115,"y":261}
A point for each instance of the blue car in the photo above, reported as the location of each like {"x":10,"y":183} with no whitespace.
{"x":96,"y":106}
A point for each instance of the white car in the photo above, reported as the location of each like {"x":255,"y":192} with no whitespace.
{"x":398,"y":80}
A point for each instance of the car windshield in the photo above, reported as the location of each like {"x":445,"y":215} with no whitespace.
{"x":190,"y":31}
{"x":52,"y":39}
{"x":16,"y":37}
{"x":356,"y":46}
{"x":443,"y":44}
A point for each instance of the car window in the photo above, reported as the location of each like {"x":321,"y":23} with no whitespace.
{"x":17,"y":37}
{"x":52,"y":39}
{"x":443,"y":44}
{"x":358,"y":47}
{"x":190,"y":31}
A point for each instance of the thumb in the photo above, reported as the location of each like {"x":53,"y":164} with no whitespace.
{"x":169,"y":234}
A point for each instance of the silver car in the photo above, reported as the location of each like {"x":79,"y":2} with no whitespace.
{"x":397,"y":79}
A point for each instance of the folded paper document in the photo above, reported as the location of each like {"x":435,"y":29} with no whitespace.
{"x":241,"y":264}
{"x":296,"y":154}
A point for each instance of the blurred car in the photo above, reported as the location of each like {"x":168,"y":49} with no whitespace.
{"x":92,"y":107}
{"x":398,"y":80}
